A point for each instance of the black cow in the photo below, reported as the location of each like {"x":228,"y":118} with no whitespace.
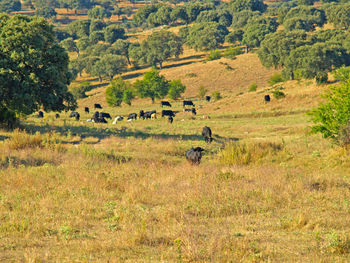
{"x":142,"y":114}
{"x":267,"y":98}
{"x":168,"y":113}
{"x":193,"y":111}
{"x":97,"y":118}
{"x":105,"y":115}
{"x":188,"y":103}
{"x":97,"y":106}
{"x":40,"y":114}
{"x":207,"y":98}
{"x":132,"y":116}
{"x":170,"y":119}
{"x":165,"y":103}
{"x":57,"y":115}
{"x":206,"y":133}
{"x":194,"y":155}
{"x":87,"y":110}
{"x":148,"y":114}
{"x":75,"y":114}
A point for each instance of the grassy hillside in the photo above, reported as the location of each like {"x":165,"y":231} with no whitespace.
{"x":266,"y":190}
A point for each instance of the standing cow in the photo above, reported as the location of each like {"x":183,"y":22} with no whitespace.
{"x":188,"y":103}
{"x":165,"y":103}
{"x":194,"y":155}
{"x":206,"y":133}
{"x":87,"y":110}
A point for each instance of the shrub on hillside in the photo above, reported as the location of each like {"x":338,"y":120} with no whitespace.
{"x":232,"y":52}
{"x":202,"y":92}
{"x":275,"y":78}
{"x":216,"y":95}
{"x":253,"y":87}
{"x":79,"y":91}
{"x":277,"y":94}
{"x":214,"y":55}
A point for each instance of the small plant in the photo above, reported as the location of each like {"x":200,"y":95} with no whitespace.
{"x":214,"y":55}
{"x":191,"y":75}
{"x":232,"y":52}
{"x":202,"y":92}
{"x":336,"y":244}
{"x":277,"y":94}
{"x":80,"y":91}
{"x":21,"y":140}
{"x":275,"y":78}
{"x":216,"y":95}
{"x":253,"y":87}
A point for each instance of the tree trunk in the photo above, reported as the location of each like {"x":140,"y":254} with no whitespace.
{"x":160,"y":65}
{"x":291,"y":75}
{"x":152,"y":100}
{"x":100,"y":78}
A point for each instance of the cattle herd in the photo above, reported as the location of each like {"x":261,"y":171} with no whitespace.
{"x":193,"y":155}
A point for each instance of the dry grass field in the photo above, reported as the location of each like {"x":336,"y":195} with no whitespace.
{"x":265,"y":191}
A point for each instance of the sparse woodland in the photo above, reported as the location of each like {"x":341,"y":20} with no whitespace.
{"x":272,"y":186}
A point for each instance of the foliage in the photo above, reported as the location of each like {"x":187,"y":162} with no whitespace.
{"x":213,"y":55}
{"x":338,"y":15}
{"x":342,"y":74}
{"x":253,"y":87}
{"x":333,"y":116}
{"x":79,"y":91}
{"x":45,"y":8}
{"x":277,"y":94}
{"x":96,"y":36}
{"x":253,"y":5}
{"x":99,"y":13}
{"x":317,"y":16}
{"x":240,"y":19}
{"x":119,"y":91}
{"x":7,"y":6}
{"x":153,"y":85}
{"x":202,"y":92}
{"x":275,"y":78}
{"x":113,"y":33}
{"x":232,"y":52}
{"x":121,"y":47}
{"x":108,"y":66}
{"x":234,"y":36}
{"x":176,"y":88}
{"x":69,"y":45}
{"x":299,"y":23}
{"x":33,"y":67}
{"x":206,"y":36}
{"x":216,"y":95}
{"x":79,"y":28}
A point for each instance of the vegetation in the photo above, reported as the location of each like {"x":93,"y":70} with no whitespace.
{"x":253,"y":87}
{"x":119,"y":91}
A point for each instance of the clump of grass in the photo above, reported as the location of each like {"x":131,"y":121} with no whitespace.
{"x":253,"y":87}
{"x":216,"y":95}
{"x":232,"y":52}
{"x":275,"y":78}
{"x":191,"y":75}
{"x":247,"y":153}
{"x":103,"y":155}
{"x":22,"y":140}
{"x":336,"y":244}
{"x":277,"y":94}
{"x":214,"y":55}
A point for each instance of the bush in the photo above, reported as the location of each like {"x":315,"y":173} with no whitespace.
{"x":253,"y":87}
{"x":232,"y":52}
{"x":21,"y":140}
{"x":216,"y":95}
{"x":277,"y":94}
{"x":79,"y":91}
{"x":246,"y":153}
{"x":202,"y":92}
{"x":275,"y":78}
{"x":332,"y":117}
{"x":214,"y":55}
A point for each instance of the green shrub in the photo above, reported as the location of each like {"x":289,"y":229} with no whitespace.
{"x":253,"y":87}
{"x":247,"y":153}
{"x":232,"y":52}
{"x":202,"y":92}
{"x":79,"y":92}
{"x":214,"y":55}
{"x":277,"y":94}
{"x":216,"y":95}
{"x":275,"y":78}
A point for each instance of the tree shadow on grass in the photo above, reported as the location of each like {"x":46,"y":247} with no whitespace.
{"x":101,"y":132}
{"x":3,"y":138}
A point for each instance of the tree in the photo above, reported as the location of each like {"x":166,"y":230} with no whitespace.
{"x":75,"y":4}
{"x":152,"y":86}
{"x":332,"y":117}
{"x":235,"y":36}
{"x":7,"y":6}
{"x":121,"y":47}
{"x":79,"y":28}
{"x":46,"y":8}
{"x":142,"y":14}
{"x":109,"y":66}
{"x":317,"y":16}
{"x":69,"y":45}
{"x":119,"y":91}
{"x":176,"y":88}
{"x":33,"y":67}
{"x":159,"y":47}
{"x":306,"y":2}
{"x":253,"y":5}
{"x":296,"y":23}
{"x":206,"y":36}
{"x":97,"y":25}
{"x":179,"y":13}
{"x":113,"y":33}
{"x":96,"y":36}
{"x":99,"y":13}
{"x":83,"y":43}
{"x":338,"y":15}
{"x":240,"y":19}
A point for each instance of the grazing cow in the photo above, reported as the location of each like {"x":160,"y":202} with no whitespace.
{"x":170,"y":119}
{"x":207,"y":98}
{"x":75,"y":114}
{"x":97,"y":106}
{"x":188,"y":103}
{"x":267,"y":98}
{"x":154,"y":116}
{"x":193,"y":111}
{"x":165,"y":103}
{"x":142,"y":115}
{"x":87,"y":110}
{"x":97,"y":118}
{"x":148,"y":114}
{"x":206,"y":133}
{"x":105,"y":115}
{"x":132,"y":116}
{"x":57,"y":115}
{"x":118,"y":118}
{"x":168,"y":113}
{"x":189,"y":110}
{"x":194,"y":155}
{"x":40,"y":114}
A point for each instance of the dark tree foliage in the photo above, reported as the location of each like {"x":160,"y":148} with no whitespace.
{"x":296,"y":23}
{"x":316,"y":15}
{"x":34,"y":68}
{"x":99,"y":13}
{"x":253,"y":5}
{"x":234,"y":36}
{"x":142,"y":14}
{"x":97,"y":25}
{"x":240,"y":19}
{"x":339,"y":15}
{"x":46,"y":8}
{"x":79,"y":28}
{"x":7,"y":6}
{"x":113,"y":32}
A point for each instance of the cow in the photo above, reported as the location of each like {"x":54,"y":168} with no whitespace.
{"x":165,"y":103}
{"x":154,"y":116}
{"x":142,"y":115}
{"x":188,"y":103}
{"x":193,"y":111}
{"x":87,"y":110}
{"x":189,"y":110}
{"x":97,"y":106}
{"x":207,"y":98}
{"x":194,"y":155}
{"x":40,"y":114}
{"x":267,"y":98}
{"x":170,"y":119}
{"x":206,"y":133}
{"x":97,"y":118}
{"x":105,"y":115}
{"x":168,"y":113}
{"x":132,"y":116}
{"x":57,"y":115}
{"x":75,"y":115}
{"x":148,"y":114}
{"x":118,"y":118}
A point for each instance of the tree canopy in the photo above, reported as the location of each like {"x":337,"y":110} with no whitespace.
{"x":34,"y":68}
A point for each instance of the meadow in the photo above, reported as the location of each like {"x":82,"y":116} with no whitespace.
{"x":266,"y":190}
